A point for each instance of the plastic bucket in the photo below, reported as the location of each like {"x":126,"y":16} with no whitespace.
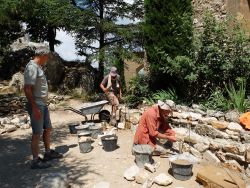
{"x":84,"y":134}
{"x":143,"y":154}
{"x":85,"y":146}
{"x":72,"y":128}
{"x":82,"y":128}
{"x":109,"y":142}
{"x":182,"y":169}
{"x":95,"y":130}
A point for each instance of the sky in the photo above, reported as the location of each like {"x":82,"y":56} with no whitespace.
{"x":67,"y":49}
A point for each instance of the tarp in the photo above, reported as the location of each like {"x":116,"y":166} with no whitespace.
{"x":245,"y":120}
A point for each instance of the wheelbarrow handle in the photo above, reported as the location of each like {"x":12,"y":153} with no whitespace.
{"x":76,"y":111}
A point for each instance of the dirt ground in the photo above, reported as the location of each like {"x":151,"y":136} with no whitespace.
{"x":84,"y":169}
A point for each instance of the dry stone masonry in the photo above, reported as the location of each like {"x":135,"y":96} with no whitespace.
{"x":11,"y":104}
{"x":214,"y":136}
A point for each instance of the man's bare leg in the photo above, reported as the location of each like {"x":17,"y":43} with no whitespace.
{"x":46,"y":139}
{"x":35,"y":145}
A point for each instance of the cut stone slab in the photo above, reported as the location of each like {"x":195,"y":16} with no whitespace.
{"x":220,"y":125}
{"x":210,"y":157}
{"x":235,"y":127}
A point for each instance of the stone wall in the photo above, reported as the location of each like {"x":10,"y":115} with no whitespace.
{"x":217,"y":7}
{"x":11,"y":104}
{"x":220,"y":9}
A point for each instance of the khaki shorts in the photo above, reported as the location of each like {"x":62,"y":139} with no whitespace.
{"x":113,"y":99}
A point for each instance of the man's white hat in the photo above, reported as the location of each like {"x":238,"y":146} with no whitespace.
{"x":167,"y":105}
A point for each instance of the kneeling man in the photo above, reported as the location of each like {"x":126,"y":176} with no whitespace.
{"x":153,"y":124}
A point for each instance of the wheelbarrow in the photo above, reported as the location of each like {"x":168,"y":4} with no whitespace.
{"x":93,"y":109}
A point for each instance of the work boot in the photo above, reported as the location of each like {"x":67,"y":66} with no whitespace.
{"x":52,"y":155}
{"x":39,"y":164}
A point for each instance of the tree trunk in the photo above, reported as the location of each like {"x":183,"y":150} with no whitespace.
{"x":52,"y":38}
{"x":101,"y":46}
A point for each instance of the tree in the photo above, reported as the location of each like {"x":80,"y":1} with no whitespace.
{"x":10,"y":28}
{"x":100,"y":36}
{"x":44,"y":17}
{"x":168,"y":31}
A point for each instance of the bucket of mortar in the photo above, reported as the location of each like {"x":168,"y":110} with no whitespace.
{"x":72,"y":127}
{"x":85,"y":142}
{"x":109,"y":142}
{"x":143,"y":154}
{"x":95,"y":130}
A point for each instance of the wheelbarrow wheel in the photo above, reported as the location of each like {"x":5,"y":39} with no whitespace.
{"x":104,"y":115}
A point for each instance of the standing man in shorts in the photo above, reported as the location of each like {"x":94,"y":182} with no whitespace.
{"x":36,"y":91}
{"x":111,"y":86}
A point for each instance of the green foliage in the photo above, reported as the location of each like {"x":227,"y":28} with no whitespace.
{"x":237,"y":98}
{"x":223,"y":55}
{"x":217,"y":101}
{"x":168,"y":30}
{"x":100,"y":35}
{"x":10,"y":28}
{"x":168,"y":24}
{"x":43,"y":17}
{"x":161,"y":95}
{"x":138,"y":90}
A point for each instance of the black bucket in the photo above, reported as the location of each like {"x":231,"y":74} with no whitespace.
{"x":72,"y":128}
{"x":109,"y":142}
{"x":182,"y":171}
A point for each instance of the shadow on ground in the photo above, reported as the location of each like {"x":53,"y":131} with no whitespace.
{"x":15,"y":158}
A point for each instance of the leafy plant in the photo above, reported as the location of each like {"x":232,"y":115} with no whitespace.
{"x":138,"y":90}
{"x":149,"y":100}
{"x":237,"y":97}
{"x":217,"y":101}
{"x":161,"y":95}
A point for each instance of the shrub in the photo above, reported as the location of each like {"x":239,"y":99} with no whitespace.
{"x":237,"y":98}
{"x":217,"y":101}
{"x":138,"y":89}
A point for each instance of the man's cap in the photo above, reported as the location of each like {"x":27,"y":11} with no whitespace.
{"x":42,"y":50}
{"x":113,"y":71}
{"x":167,"y":105}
